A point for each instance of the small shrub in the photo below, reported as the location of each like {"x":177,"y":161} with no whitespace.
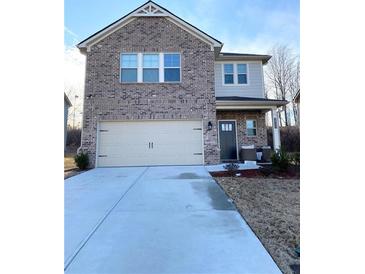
{"x":231,"y":166}
{"x":280,"y":160}
{"x":82,"y":160}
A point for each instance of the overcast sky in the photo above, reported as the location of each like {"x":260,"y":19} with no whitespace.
{"x":246,"y":26}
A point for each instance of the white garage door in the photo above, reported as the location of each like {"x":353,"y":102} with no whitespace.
{"x":150,"y":143}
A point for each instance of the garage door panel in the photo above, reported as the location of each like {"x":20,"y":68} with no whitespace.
{"x":130,"y":143}
{"x":127,"y":152}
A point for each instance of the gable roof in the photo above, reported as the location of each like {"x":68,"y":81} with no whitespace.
{"x":149,"y":9}
{"x":67,"y":101}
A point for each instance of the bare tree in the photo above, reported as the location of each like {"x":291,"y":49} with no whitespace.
{"x":74,"y":113}
{"x":282,"y":70}
{"x":294,"y":86}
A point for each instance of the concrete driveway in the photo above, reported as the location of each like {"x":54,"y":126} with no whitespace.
{"x":156,"y":220}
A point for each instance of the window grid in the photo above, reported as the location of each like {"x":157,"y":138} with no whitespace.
{"x":228,"y":74}
{"x":150,"y":67}
{"x":172,"y":67}
{"x":151,"y":61}
{"x":242,"y":73}
{"x":128,"y":68}
{"x":226,"y":127}
{"x":251,"y":127}
{"x":129,"y":60}
{"x":235,"y":73}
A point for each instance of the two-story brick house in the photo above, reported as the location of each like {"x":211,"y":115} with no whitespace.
{"x":159,"y":91}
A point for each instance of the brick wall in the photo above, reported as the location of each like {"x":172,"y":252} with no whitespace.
{"x":193,"y":98}
{"x":241,"y":116}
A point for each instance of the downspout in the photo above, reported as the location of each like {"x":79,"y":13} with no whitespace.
{"x":83,"y":106}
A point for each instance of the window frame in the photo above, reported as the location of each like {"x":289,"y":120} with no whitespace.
{"x":235,"y":73}
{"x":120,"y":66}
{"x":163,"y":67}
{"x":255,"y":128}
{"x":224,"y":74}
{"x":242,"y":74}
{"x":158,"y":67}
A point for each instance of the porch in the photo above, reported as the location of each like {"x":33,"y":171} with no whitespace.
{"x":241,"y":123}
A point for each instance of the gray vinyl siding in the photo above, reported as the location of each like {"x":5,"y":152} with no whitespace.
{"x":253,"y":89}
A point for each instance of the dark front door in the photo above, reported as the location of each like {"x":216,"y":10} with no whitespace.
{"x":227,"y":140}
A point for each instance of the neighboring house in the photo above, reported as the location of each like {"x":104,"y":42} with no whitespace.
{"x":66,"y":105}
{"x":159,"y":91}
{"x":296,"y":100}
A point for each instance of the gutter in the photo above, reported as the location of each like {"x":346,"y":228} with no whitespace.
{"x":252,"y":103}
{"x":263,"y":59}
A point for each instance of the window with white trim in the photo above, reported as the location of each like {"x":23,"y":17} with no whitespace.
{"x":235,"y":73}
{"x":251,"y":127}
{"x":128,"y":68}
{"x":150,"y":68}
{"x":172,"y":67}
{"x":242,"y":73}
{"x":228,"y":74}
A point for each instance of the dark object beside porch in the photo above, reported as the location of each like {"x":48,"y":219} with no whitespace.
{"x":266,"y":154}
{"x":248,"y":154}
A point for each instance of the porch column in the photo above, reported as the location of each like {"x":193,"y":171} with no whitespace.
{"x":275,"y":128}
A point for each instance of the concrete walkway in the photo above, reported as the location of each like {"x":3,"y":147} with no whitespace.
{"x":156,"y":220}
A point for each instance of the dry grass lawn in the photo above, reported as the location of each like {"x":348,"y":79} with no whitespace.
{"x":271,"y":208}
{"x":69,"y":161}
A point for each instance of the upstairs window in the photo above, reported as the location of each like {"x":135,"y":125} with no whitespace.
{"x":228,"y":74}
{"x":156,"y":67}
{"x":242,"y":73}
{"x":172,"y":67}
{"x":128,"y":68}
{"x":235,"y":74}
{"x":150,"y":68}
{"x":251,"y":127}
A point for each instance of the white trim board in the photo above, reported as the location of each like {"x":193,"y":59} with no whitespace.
{"x":235,"y":74}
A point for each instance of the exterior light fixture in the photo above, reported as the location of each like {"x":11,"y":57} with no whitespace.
{"x":210,"y":125}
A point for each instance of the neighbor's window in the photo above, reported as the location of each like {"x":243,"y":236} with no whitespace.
{"x":150,"y":68}
{"x":128,"y":68}
{"x":172,"y":67}
{"x":228,"y":73}
{"x":251,"y":127}
{"x":242,"y":73}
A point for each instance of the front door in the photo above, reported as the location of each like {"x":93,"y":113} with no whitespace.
{"x":227,"y":140}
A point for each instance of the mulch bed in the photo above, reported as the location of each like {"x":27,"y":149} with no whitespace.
{"x":271,"y":208}
{"x":293,"y":172}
